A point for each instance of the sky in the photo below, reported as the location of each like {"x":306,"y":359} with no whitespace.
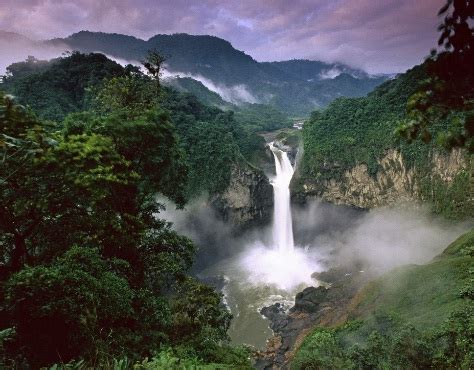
{"x":379,"y":36}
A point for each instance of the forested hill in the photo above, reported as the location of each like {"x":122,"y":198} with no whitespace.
{"x":236,"y":76}
{"x":353,"y":154}
{"x":213,"y":142}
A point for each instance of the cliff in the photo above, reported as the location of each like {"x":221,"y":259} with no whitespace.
{"x":394,"y":182}
{"x":248,"y":200}
{"x":353,"y":154}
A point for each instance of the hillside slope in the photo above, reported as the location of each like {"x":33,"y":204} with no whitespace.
{"x":413,"y":317}
{"x":217,"y":145}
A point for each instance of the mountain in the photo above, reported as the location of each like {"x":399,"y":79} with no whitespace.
{"x":311,"y":70}
{"x":297,"y":86}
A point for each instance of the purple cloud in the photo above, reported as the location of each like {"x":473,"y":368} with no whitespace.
{"x":379,"y":36}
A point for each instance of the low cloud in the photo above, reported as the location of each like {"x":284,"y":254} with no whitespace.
{"x":330,"y":74}
{"x":326,"y":236}
{"x":380,"y":239}
{"x":236,"y":94}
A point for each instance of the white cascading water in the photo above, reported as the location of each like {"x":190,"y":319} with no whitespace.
{"x":280,"y":264}
{"x":282,"y":221}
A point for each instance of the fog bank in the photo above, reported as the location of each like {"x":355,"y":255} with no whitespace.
{"x":326,"y":236}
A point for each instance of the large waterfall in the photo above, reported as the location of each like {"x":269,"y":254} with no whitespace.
{"x":282,"y":222}
{"x":271,"y":268}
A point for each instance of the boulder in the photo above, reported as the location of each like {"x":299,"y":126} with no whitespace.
{"x":309,"y":299}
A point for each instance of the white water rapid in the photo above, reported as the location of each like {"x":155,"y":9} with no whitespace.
{"x":282,"y":221}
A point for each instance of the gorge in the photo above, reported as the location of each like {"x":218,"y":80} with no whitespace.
{"x":202,"y":209}
{"x":298,"y":281}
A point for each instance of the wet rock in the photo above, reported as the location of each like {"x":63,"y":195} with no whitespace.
{"x":248,"y":200}
{"x":309,"y":299}
{"x":313,"y":306}
{"x":277,"y":316}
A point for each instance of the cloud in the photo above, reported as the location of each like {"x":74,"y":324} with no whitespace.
{"x":20,"y":49}
{"x":380,"y":36}
{"x":236,"y":94}
{"x":330,"y":73}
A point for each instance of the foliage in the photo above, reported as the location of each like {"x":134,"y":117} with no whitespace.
{"x":320,"y":351}
{"x":125,"y":102}
{"x":217,"y":60}
{"x":359,"y":130}
{"x":260,"y":117}
{"x":197,"y":88}
{"x":56,"y":88}
{"x":362,"y":130}
{"x":89,"y":273}
{"x":209,"y":138}
{"x":449,"y":86}
{"x":146,"y":139}
{"x":72,"y":307}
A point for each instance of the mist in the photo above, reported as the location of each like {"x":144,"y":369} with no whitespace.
{"x":252,"y":272}
{"x":380,"y":239}
{"x":236,"y":94}
{"x":20,"y":49}
{"x":326,"y":236}
{"x":329,"y":74}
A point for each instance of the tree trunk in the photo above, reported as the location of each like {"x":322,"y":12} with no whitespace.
{"x":19,"y":253}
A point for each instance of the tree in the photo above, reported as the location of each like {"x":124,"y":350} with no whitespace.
{"x":154,"y":64}
{"x":129,"y":112}
{"x":448,"y":94}
{"x":88,"y":271}
{"x":73,"y":307}
{"x":60,"y":86}
{"x":58,"y":191}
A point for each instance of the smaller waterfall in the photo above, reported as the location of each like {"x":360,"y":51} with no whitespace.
{"x":282,"y":221}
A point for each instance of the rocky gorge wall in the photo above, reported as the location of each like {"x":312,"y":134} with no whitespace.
{"x":395,"y":182}
{"x":248,"y":200}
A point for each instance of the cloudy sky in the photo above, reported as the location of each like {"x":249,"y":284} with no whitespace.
{"x":377,"y":35}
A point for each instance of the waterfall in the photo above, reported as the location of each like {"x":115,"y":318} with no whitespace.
{"x":282,"y":221}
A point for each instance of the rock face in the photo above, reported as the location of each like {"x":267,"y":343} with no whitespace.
{"x":395,"y":182}
{"x":248,"y":200}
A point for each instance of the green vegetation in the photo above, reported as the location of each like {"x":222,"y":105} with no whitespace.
{"x":295,"y":87}
{"x":449,"y":87}
{"x":88,"y":273}
{"x":99,"y":92}
{"x":359,"y":130}
{"x":413,"y":317}
{"x":196,"y":88}
{"x":259,"y":117}
{"x":54,"y":89}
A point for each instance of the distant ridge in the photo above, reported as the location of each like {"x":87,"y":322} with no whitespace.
{"x":296,"y":86}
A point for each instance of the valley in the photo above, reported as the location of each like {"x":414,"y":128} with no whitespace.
{"x":171,"y":202}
